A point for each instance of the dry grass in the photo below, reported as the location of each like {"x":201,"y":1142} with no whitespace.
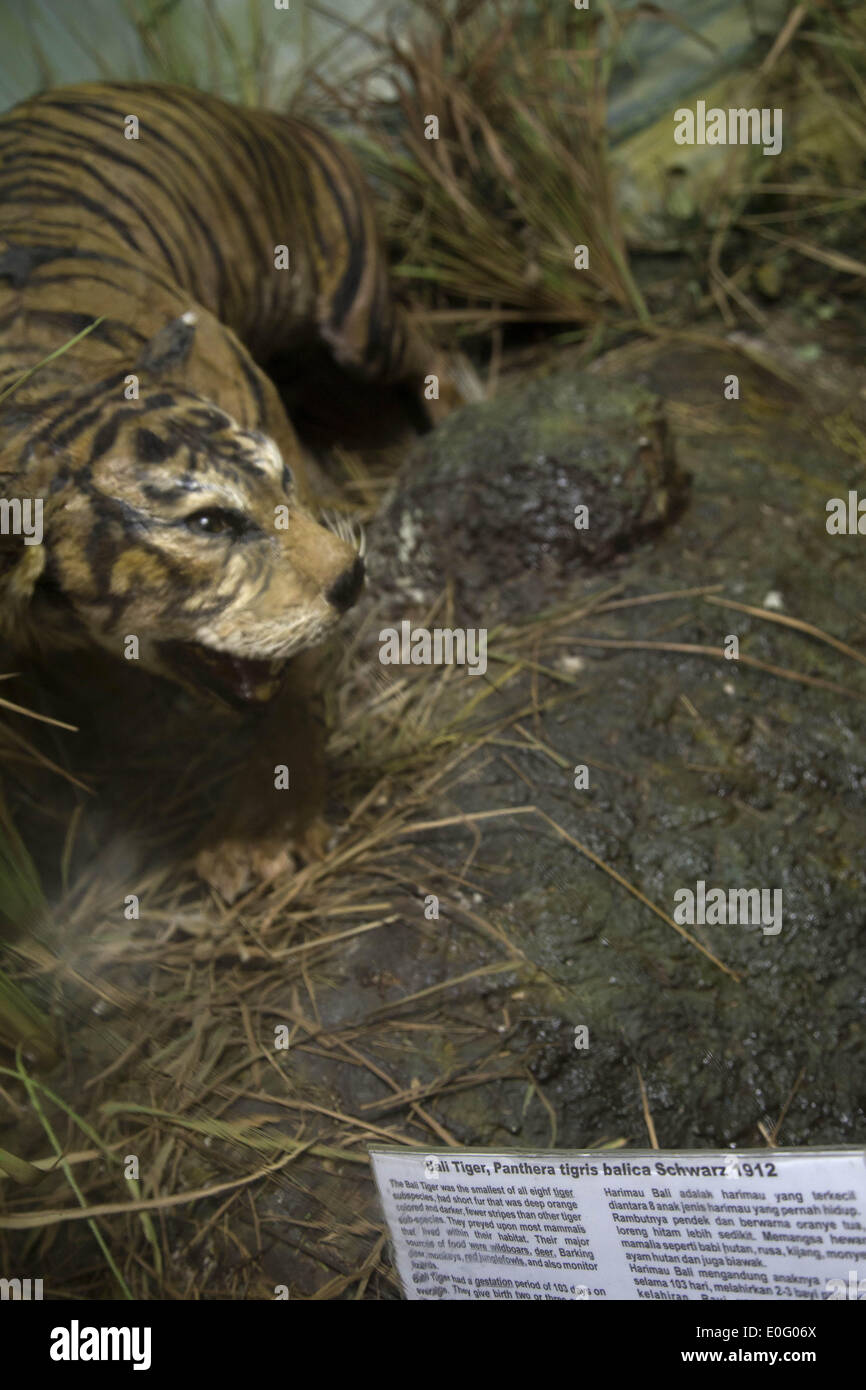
{"x":183,"y":1071}
{"x":169,"y":1021}
{"x":489,"y":213}
{"x":797,"y":220}
{"x":484,"y":220}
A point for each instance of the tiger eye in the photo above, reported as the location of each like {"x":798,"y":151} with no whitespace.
{"x":211,"y":522}
{"x":219,"y":521}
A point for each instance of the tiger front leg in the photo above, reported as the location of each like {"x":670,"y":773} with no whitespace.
{"x":275,"y":806}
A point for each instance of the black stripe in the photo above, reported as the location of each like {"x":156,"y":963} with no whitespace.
{"x":66,"y":436}
{"x":71,"y":197}
{"x":86,"y":277}
{"x":232,"y":117}
{"x":67,"y":321}
{"x":347,"y":289}
{"x":112,"y":190}
{"x":175,"y":195}
{"x":105,"y":435}
{"x":250,"y":376}
{"x":80,"y":402}
{"x":190,"y":164}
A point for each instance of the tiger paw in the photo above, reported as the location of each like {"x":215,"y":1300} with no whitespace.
{"x":312,"y":843}
{"x":234,"y":867}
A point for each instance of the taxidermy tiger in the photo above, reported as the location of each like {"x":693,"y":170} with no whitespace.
{"x":202,"y":241}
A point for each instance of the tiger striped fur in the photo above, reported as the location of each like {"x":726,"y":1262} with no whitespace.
{"x":176,"y":508}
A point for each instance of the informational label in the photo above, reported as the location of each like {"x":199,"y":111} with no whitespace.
{"x":764,"y":1224}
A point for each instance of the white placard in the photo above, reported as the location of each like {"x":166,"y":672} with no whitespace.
{"x":775,"y":1224}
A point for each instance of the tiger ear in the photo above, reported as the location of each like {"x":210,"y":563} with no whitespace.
{"x":170,"y":346}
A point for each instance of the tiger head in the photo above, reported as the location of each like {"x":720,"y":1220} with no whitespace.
{"x":174,"y":535}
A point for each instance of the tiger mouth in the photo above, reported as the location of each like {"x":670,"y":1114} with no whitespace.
{"x":239,"y":680}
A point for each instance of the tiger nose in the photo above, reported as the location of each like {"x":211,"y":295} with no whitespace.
{"x":345,"y":591}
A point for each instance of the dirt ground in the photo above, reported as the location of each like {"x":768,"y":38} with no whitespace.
{"x":476,"y":909}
